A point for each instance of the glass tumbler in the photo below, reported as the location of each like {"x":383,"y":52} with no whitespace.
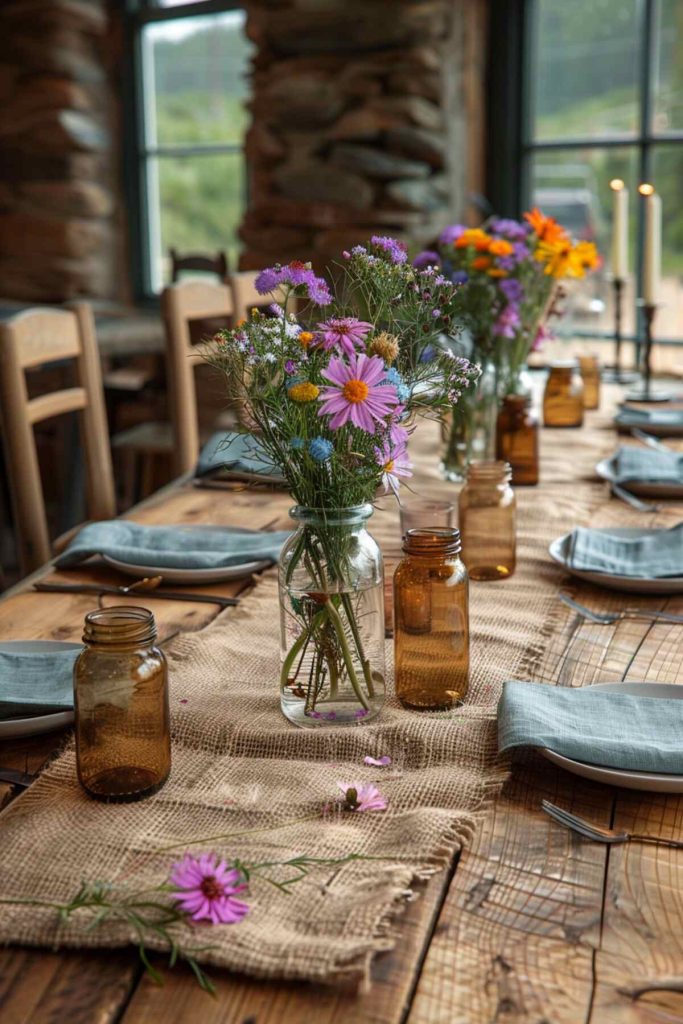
{"x":488,"y":528}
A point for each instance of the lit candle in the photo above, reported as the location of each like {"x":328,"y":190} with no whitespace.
{"x":619,"y":229}
{"x":652,"y":256}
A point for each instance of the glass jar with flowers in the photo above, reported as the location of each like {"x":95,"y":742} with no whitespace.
{"x":508,"y":272}
{"x":334,"y":400}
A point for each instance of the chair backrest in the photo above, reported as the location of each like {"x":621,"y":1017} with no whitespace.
{"x":31,"y":339}
{"x":180,"y":304}
{"x":217,"y":264}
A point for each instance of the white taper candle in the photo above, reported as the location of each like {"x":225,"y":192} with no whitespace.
{"x":652,"y":255}
{"x":619,"y":230}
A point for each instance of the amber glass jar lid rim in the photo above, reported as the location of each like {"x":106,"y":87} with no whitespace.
{"x":432,"y":540}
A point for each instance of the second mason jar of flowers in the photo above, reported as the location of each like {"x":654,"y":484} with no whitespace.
{"x":334,"y":400}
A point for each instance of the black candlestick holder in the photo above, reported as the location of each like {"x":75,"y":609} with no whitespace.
{"x":645,"y":392}
{"x":615,"y":374}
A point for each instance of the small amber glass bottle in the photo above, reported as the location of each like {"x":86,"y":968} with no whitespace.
{"x":589,"y":367}
{"x":517,"y":439}
{"x":563,"y":397}
{"x":431,"y":621}
{"x":487,"y":521}
{"x":123,"y":741}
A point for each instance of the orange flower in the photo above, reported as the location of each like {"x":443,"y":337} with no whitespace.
{"x":501,"y":247}
{"x":241,"y":322}
{"x":306,"y":338}
{"x":475,"y":237}
{"x":547,"y":229}
{"x":481,"y":263}
{"x":497,"y":272}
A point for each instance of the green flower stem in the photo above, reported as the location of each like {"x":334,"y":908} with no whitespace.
{"x":302,"y":638}
{"x":351,"y":618}
{"x":346,"y":654}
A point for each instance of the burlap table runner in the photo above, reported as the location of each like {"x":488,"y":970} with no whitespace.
{"x":238,"y":766}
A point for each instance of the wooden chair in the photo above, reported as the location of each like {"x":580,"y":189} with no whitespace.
{"x":181,"y":304}
{"x":217,"y":264}
{"x":31,"y":339}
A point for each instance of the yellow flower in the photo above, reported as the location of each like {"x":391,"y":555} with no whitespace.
{"x":500,"y":247}
{"x":584,"y":257}
{"x":384,"y":345}
{"x":556,"y":256}
{"x":305,"y":338}
{"x":475,"y":237}
{"x":303,"y":392}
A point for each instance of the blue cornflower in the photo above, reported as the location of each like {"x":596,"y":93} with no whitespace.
{"x":392,"y":376}
{"x":320,"y":449}
{"x":297,"y":443}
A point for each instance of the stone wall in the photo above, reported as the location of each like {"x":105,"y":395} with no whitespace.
{"x":367,"y":116}
{"x":58,"y":151}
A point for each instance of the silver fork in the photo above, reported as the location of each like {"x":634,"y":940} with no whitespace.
{"x":649,"y":440}
{"x":603,"y":835}
{"x":607,"y":618}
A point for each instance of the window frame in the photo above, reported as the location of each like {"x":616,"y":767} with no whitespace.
{"x":137,"y":151}
{"x":512,"y":46}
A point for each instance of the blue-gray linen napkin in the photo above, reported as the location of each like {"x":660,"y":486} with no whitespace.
{"x":33,"y":684}
{"x":238,"y":455}
{"x":172,"y":547}
{"x":653,"y":554}
{"x":650,"y":418}
{"x":593,"y":724}
{"x":631,"y":465}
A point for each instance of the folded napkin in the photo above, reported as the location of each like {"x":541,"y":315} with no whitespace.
{"x":651,"y":554}
{"x":33,"y":684}
{"x":238,"y":455}
{"x":594,"y":725}
{"x":172,"y":547}
{"x":644,"y":418}
{"x":644,"y":465}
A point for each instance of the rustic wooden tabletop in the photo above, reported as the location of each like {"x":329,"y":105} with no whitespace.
{"x":531,"y":924}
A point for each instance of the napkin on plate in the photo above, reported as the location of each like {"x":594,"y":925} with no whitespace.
{"x":628,"y":416}
{"x":652,"y":554}
{"x":240,"y":456}
{"x":34,"y":684}
{"x":593,"y":724}
{"x":631,"y":464}
{"x":172,"y":547}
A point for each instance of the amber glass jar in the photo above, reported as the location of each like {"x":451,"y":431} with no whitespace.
{"x":123,"y":742}
{"x":431,"y":621}
{"x":563,"y":397}
{"x":517,"y":439}
{"x":589,"y":367}
{"x":487,"y":521}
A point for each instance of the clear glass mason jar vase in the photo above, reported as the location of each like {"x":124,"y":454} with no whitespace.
{"x":123,"y":740}
{"x":563,"y":396}
{"x":431,"y":621}
{"x":487,"y":520}
{"x":331,"y":584}
{"x":589,"y":367}
{"x":469,"y":429}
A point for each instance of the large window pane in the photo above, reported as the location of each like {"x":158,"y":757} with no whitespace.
{"x":668,"y":112}
{"x":573,"y":186}
{"x":585,"y":72}
{"x":196,"y":80}
{"x":668,"y":179}
{"x":200,"y":204}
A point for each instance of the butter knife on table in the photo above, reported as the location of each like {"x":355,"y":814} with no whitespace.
{"x":164,"y":595}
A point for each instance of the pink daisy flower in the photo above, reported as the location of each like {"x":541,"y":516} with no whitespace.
{"x":362,"y":797}
{"x":206,"y":888}
{"x":395,"y":464}
{"x":345,"y":332}
{"x":357,"y":393}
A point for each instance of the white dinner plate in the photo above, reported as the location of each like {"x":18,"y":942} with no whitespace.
{"x":635,"y":585}
{"x":15,"y":728}
{"x":190,"y":576}
{"x":605,"y":471}
{"x":654,"y":782}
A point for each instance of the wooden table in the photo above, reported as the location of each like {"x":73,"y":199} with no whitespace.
{"x":530,"y":925}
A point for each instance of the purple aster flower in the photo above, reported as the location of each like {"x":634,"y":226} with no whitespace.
{"x":291,"y":367}
{"x":398,"y":435}
{"x":205,"y":888}
{"x":357,"y":393}
{"x":507,"y":262}
{"x":359,"y":250}
{"x":521,"y":251}
{"x":395,"y":250}
{"x":269,"y":280}
{"x":449,"y":234}
{"x":346,"y":332}
{"x":507,"y":323}
{"x":426,"y":258}
{"x":394,"y":463}
{"x":512,"y":229}
{"x":298,"y":275}
{"x":512,"y":289}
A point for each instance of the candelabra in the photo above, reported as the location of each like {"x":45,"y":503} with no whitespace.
{"x":645,"y":393}
{"x":615,"y":374}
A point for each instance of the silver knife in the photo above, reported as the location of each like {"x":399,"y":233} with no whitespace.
{"x":134,"y":595}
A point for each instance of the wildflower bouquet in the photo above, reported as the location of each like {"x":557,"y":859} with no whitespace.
{"x":334,"y":398}
{"x":509,"y":271}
